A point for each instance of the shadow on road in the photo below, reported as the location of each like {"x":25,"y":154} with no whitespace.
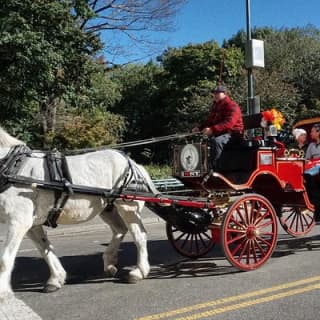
{"x":30,"y":273}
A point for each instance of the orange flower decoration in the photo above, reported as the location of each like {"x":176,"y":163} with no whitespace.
{"x":272,"y":117}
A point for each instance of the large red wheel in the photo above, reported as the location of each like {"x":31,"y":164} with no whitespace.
{"x":296,"y":221}
{"x":249,"y":232}
{"x":190,"y":244}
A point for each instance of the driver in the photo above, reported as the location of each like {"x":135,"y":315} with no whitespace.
{"x":223,"y":124}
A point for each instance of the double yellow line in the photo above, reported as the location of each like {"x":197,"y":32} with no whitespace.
{"x":298,"y":287}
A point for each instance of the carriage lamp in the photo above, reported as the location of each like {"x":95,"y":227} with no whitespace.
{"x":271,"y":131}
{"x":189,"y":157}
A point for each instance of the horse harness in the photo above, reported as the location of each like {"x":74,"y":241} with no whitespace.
{"x":60,"y":180}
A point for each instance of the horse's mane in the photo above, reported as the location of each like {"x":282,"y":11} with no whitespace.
{"x":6,"y":140}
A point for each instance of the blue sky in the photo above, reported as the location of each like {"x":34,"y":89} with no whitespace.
{"x":205,"y":20}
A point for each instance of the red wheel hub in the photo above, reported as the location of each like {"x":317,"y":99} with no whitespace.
{"x":251,"y":232}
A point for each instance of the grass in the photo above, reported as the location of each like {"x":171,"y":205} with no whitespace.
{"x":159,"y":172}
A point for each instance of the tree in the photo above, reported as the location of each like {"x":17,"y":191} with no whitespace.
{"x":190,"y":73}
{"x":139,"y":102}
{"x":130,"y":24}
{"x":48,"y":54}
{"x":292,"y":68}
{"x":44,"y":55}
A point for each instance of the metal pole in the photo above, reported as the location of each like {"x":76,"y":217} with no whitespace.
{"x":250,"y":77}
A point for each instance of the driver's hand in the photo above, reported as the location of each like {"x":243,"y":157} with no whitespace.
{"x":207,"y":132}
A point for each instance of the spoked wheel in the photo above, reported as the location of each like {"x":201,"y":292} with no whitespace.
{"x":190,"y":244}
{"x":296,"y":221}
{"x":249,"y":232}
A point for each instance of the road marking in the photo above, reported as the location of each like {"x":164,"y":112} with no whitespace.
{"x":209,"y":304}
{"x":246,"y":304}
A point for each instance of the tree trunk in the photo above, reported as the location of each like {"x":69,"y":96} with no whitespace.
{"x":48,"y":116}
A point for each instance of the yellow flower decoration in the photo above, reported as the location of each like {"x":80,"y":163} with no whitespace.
{"x":272,"y":117}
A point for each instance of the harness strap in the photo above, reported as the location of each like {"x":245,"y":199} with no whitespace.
{"x":127,"y":177}
{"x":59,"y":172}
{"x":11,"y":164}
{"x":55,"y":212}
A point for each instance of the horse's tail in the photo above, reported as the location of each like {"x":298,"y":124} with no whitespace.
{"x":141,"y":174}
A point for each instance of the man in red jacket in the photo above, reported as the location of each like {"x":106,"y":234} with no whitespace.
{"x":224,"y":123}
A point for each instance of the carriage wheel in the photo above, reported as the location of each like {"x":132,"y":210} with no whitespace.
{"x":296,"y":221}
{"x":249,"y":232}
{"x":191,"y":245}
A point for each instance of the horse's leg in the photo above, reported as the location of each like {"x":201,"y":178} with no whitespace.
{"x":57,"y":272}
{"x":130,"y":213}
{"x":15,"y":232}
{"x":119,"y":230}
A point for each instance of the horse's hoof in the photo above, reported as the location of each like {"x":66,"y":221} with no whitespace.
{"x":132,"y":279}
{"x":49,"y":288}
{"x":111,"y":271}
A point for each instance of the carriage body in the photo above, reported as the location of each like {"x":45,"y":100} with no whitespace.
{"x":247,"y":167}
{"x":255,"y":184}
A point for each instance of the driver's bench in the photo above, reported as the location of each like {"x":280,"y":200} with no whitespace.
{"x":238,"y":160}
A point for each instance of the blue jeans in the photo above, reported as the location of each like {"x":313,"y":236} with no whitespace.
{"x":217,"y":145}
{"x":314,"y":170}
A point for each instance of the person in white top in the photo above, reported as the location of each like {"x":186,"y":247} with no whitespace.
{"x":311,"y":175}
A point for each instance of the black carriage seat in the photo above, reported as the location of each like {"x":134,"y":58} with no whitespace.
{"x":238,"y":160}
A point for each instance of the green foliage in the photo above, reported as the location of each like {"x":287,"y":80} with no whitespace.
{"x":292,"y":68}
{"x":44,"y":55}
{"x":240,"y":38}
{"x":99,"y":92}
{"x":159,"y":171}
{"x":92,"y":128}
{"x":190,"y":73}
{"x":139,"y":103}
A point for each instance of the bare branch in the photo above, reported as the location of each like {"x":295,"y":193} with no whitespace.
{"x":129,"y":18}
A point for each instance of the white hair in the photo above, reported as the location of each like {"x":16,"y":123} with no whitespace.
{"x":298,"y":132}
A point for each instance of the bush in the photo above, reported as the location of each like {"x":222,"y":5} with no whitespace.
{"x":159,"y":172}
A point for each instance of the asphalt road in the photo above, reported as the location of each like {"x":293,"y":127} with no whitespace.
{"x":286,"y":287}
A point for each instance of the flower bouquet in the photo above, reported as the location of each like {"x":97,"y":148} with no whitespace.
{"x":272,"y":121}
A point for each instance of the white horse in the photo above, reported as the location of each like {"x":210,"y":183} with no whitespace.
{"x":24,"y":210}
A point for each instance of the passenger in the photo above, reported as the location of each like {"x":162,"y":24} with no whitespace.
{"x":313,"y":150}
{"x":312,"y":175}
{"x":301,"y":139}
{"x":224,"y":123}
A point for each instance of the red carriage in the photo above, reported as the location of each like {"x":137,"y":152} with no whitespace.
{"x":255,"y":184}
